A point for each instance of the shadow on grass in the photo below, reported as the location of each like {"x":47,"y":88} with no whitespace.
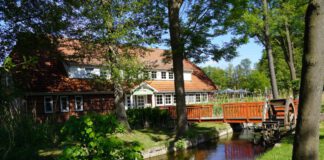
{"x":157,"y":134}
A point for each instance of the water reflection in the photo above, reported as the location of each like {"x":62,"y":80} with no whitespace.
{"x":236,"y":147}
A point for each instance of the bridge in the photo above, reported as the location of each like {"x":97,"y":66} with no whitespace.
{"x":233,"y":113}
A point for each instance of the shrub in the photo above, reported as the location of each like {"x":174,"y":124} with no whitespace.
{"x":22,"y":137}
{"x":91,"y":137}
{"x":149,"y":117}
{"x":180,"y":144}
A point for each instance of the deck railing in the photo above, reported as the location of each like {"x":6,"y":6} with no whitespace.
{"x":247,"y":111}
{"x":193,"y":112}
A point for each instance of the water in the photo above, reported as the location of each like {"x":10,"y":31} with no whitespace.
{"x":238,"y":146}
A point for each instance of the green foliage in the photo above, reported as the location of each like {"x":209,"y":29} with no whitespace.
{"x":241,"y":76}
{"x":21,"y":137}
{"x":91,"y":137}
{"x":149,"y":117}
{"x":217,"y":75}
{"x":180,"y":144}
{"x":257,"y":81}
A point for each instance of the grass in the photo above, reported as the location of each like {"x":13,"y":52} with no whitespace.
{"x":153,"y":138}
{"x":322,"y":110}
{"x":284,"y":150}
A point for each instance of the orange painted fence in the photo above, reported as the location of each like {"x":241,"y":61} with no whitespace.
{"x":246,"y":112}
{"x":243,"y":112}
{"x":193,"y":111}
{"x":239,"y":112}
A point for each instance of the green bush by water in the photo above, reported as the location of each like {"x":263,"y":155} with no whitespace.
{"x":140,"y":118}
{"x":91,"y":137}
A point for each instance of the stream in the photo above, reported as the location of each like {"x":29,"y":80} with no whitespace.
{"x":238,"y":146}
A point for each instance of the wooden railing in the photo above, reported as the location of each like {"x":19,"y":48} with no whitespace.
{"x":193,"y":112}
{"x":243,"y":111}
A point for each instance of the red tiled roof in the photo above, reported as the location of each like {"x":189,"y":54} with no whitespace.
{"x":49,"y":74}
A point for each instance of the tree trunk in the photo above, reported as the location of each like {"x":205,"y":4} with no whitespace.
{"x":268,"y":47}
{"x":177,"y":55}
{"x":290,"y":59}
{"x":120,"y":110}
{"x":290,"y":56}
{"x":306,"y":142}
{"x":120,"y":106}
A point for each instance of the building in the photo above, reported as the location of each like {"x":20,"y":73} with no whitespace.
{"x":58,"y":86}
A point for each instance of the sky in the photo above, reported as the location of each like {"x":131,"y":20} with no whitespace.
{"x":251,"y":50}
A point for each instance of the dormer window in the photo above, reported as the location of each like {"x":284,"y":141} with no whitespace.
{"x":153,"y":74}
{"x":89,"y":71}
{"x":163,"y":75}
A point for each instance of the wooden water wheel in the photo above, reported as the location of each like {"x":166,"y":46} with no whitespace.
{"x":279,"y":116}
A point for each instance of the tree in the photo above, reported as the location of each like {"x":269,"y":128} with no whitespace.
{"x":288,"y":34}
{"x":306,"y":141}
{"x":217,"y":75}
{"x":177,"y":47}
{"x":256,"y":23}
{"x":257,"y":81}
{"x":191,"y":35}
{"x":108,"y":26}
{"x":268,"y":46}
{"x":36,"y":17}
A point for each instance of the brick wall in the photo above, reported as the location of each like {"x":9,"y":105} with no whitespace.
{"x":99,"y":103}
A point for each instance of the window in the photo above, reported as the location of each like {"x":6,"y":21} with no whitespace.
{"x":163,"y":75}
{"x":140,"y":101}
{"x":190,"y":98}
{"x":168,"y":99}
{"x":128,"y":101}
{"x":159,"y":99}
{"x":198,"y":98}
{"x":89,"y":71}
{"x":78,"y":103}
{"x":64,"y":101}
{"x":153,"y":74}
{"x":48,"y":104}
{"x":204,"y":97}
{"x":171,"y":75}
{"x":174,"y":99}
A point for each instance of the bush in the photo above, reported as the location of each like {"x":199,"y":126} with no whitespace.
{"x":22,"y":137}
{"x":91,"y":137}
{"x":149,"y":117}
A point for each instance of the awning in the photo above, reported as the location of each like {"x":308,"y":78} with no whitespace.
{"x":143,"y":91}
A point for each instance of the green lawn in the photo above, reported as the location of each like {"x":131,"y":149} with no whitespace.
{"x":152,"y":138}
{"x":284,"y":150}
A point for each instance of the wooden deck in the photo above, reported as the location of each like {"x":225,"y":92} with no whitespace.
{"x":240,"y":112}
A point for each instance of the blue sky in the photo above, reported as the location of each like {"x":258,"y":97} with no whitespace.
{"x":251,"y":50}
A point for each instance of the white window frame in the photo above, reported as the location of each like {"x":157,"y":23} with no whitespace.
{"x":128,"y":104}
{"x":171,"y":77}
{"x":67,"y":103}
{"x":174,"y":99}
{"x":202,"y":97}
{"x":138,"y":100}
{"x":170,"y":100}
{"x":51,"y":102}
{"x":155,"y":75}
{"x":198,"y":95}
{"x":191,"y":98}
{"x":165,"y":75}
{"x":75,"y":103}
{"x":156,"y":99}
